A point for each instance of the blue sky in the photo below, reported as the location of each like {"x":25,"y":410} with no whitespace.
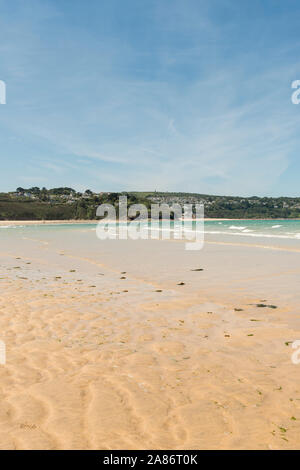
{"x":183,"y":95}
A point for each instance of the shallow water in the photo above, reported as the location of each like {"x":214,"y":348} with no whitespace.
{"x":280,"y":229}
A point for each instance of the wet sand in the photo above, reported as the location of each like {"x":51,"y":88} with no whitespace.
{"x":143,"y":345}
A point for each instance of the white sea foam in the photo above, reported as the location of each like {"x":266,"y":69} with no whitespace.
{"x":11,"y":226}
{"x":256,"y":235}
{"x":234,"y":227}
{"x":244,"y":233}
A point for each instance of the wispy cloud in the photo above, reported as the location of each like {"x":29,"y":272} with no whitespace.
{"x":189,"y":96}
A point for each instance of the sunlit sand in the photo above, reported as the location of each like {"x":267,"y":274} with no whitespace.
{"x":143,"y":345}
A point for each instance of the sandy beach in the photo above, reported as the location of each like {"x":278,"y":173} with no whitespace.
{"x":44,"y":222}
{"x":143,"y":345}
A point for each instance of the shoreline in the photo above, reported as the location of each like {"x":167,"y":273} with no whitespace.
{"x":91,"y":221}
{"x":46,"y":222}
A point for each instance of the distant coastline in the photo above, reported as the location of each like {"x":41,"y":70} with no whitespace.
{"x":70,"y":206}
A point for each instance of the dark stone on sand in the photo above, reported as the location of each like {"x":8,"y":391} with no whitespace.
{"x":265,"y":306}
{"x":198,"y":269}
{"x":181,"y":284}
